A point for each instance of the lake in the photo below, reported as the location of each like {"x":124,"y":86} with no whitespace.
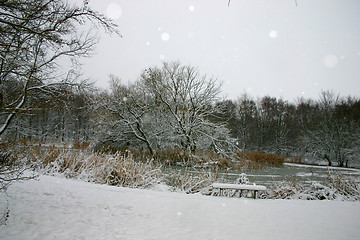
{"x":289,"y":172}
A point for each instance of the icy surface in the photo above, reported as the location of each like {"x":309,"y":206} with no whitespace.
{"x":56,"y":208}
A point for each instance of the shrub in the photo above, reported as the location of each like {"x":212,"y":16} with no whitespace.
{"x":190,"y":182}
{"x":81,"y":145}
{"x":299,"y":190}
{"x":337,"y":187}
{"x":211,"y":160}
{"x":296,"y":159}
{"x":11,"y":169}
{"x":258,"y":160}
{"x":168,"y":156}
{"x":171,"y":156}
{"x":112,"y":169}
{"x":346,"y":186}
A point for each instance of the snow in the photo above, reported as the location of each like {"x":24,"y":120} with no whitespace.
{"x":58,"y":208}
{"x":331,"y":60}
{"x":238,"y":186}
{"x":273,"y":34}
{"x":114,"y":11}
{"x":165,"y":36}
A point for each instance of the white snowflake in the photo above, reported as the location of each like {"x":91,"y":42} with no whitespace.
{"x":165,"y":36}
{"x":113,"y":11}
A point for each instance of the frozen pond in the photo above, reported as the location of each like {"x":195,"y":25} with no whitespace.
{"x":289,"y":172}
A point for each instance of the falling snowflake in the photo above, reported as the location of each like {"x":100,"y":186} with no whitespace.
{"x":273,"y":34}
{"x":331,"y":60}
{"x":113,"y":11}
{"x":165,"y":36}
{"x":191,"y":8}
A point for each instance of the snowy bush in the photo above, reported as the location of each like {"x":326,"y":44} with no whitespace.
{"x":242,"y":179}
{"x":116,"y":169}
{"x":338,"y":187}
{"x":348,"y":187}
{"x":190,"y":182}
{"x":298,"y":190}
{"x":258,"y":160}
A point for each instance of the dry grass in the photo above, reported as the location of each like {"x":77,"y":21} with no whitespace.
{"x":258,"y":160}
{"x":337,"y":187}
{"x":209,"y":159}
{"x":346,"y":186}
{"x":118,"y":169}
{"x":190,"y":182}
{"x":81,"y":145}
{"x":297,"y":160}
{"x":111,"y":169}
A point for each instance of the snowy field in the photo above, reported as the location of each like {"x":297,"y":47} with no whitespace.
{"x":57,"y":208}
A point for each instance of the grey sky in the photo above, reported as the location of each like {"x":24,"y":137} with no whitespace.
{"x":263,"y":47}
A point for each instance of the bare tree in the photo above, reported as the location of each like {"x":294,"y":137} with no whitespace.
{"x":127,"y":114}
{"x":334,"y":136}
{"x":168,"y":108}
{"x":38,"y":39}
{"x":247,"y":114}
{"x":35,"y":36}
{"x":188,"y":98}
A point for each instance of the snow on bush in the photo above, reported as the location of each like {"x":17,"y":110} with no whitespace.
{"x":348,"y":187}
{"x":338,"y":187}
{"x":242,"y":179}
{"x":111,"y":169}
{"x":190,"y":182}
{"x":123,"y":170}
{"x":298,"y":190}
{"x":117,"y":169}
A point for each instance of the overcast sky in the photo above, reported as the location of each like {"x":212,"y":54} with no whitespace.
{"x":261,"y":47}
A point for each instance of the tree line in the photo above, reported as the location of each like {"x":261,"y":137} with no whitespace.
{"x":172,"y":107}
{"x":326,"y":129}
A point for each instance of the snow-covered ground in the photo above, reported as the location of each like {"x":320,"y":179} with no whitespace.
{"x":58,"y":208}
